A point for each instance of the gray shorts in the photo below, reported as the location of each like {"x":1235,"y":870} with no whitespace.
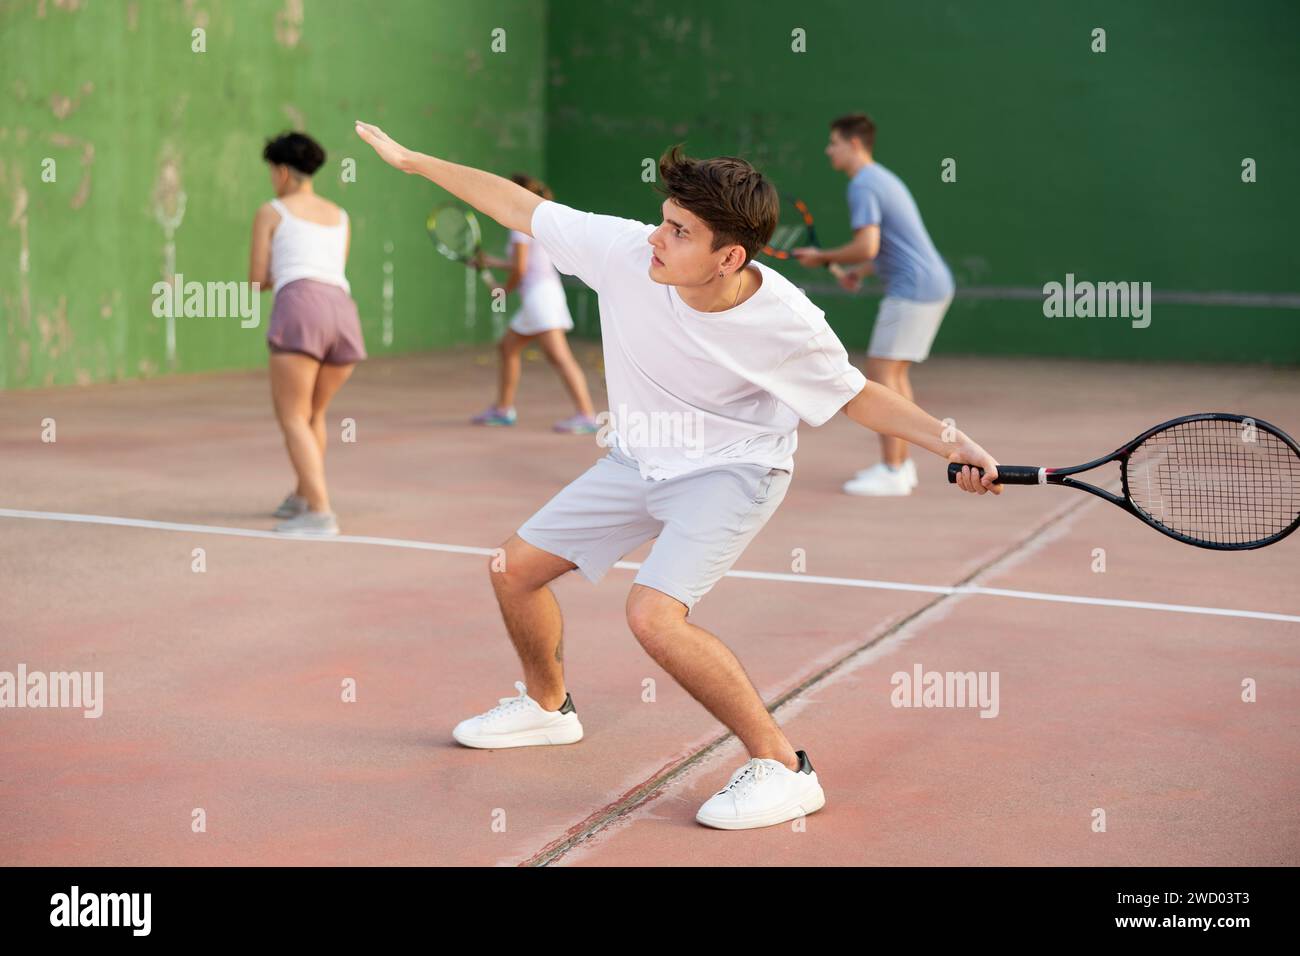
{"x":905,"y":330}
{"x":703,"y":521}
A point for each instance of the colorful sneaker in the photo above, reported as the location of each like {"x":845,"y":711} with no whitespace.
{"x":764,"y":793}
{"x":880,"y":481}
{"x":495,"y":416}
{"x":319,"y":523}
{"x":520,"y":722}
{"x":578,"y":425}
{"x":292,"y":506}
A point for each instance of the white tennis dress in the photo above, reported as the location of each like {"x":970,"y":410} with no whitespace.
{"x":544,"y":305}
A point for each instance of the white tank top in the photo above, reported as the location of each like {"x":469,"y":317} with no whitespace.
{"x":301,"y":249}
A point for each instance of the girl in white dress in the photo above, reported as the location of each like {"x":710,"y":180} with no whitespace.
{"x":544,"y":316}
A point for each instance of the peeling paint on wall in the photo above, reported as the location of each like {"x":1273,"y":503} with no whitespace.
{"x":67,"y":6}
{"x":64,"y":106}
{"x":169,"y":210}
{"x":56,"y":334}
{"x":18,"y":220}
{"x":142,"y":128}
{"x":288,"y":24}
{"x":64,"y":141}
{"x":195,"y":15}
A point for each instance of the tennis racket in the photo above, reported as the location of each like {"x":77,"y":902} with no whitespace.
{"x":795,"y":228}
{"x":455,"y":233}
{"x":1214,"y":480}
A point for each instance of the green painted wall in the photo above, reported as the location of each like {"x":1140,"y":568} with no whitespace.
{"x":1122,"y":165}
{"x":112,"y":92}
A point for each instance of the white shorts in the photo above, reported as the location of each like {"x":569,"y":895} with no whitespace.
{"x":545,"y":308}
{"x":702,"y":521}
{"x":905,"y":329}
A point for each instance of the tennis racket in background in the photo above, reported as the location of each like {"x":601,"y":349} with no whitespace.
{"x":455,"y":233}
{"x":1213,"y":480}
{"x":795,"y":228}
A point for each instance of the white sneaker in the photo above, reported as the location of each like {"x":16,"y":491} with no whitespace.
{"x":909,"y":466}
{"x":294,"y":504}
{"x":764,"y":793}
{"x":520,"y":722}
{"x":310,"y":522}
{"x":880,"y":480}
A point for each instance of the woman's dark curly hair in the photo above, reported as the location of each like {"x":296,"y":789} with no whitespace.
{"x":298,"y":151}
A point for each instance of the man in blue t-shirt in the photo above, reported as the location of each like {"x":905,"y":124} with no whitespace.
{"x":890,"y":240}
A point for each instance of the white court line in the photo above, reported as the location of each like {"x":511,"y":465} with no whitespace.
{"x":631,"y":565}
{"x":242,"y":532}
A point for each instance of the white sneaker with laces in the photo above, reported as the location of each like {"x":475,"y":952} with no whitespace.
{"x":520,"y":722}
{"x":763,"y":793}
{"x":880,"y":480}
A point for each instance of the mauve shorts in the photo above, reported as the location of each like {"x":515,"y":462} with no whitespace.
{"x":318,"y":319}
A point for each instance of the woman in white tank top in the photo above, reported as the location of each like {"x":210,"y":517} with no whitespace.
{"x":300,"y":246}
{"x":543,"y":315}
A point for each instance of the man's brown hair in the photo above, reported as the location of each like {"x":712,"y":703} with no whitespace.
{"x":535,"y":186}
{"x":859,"y":125}
{"x":727,"y":193}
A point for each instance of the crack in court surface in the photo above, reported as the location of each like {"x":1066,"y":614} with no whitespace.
{"x":641,"y":795}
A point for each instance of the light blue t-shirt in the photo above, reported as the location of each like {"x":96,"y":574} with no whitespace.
{"x":908,"y":263}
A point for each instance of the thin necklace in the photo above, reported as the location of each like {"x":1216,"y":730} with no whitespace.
{"x":738,"y":288}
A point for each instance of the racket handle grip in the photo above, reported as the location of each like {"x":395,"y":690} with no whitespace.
{"x":1007,"y":474}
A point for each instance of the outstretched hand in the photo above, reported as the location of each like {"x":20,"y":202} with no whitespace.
{"x":389,"y":150}
{"x":967,"y":454}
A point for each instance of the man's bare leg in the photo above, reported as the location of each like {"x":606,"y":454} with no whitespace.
{"x":532,"y":615}
{"x":709,"y":671}
{"x":891,"y":373}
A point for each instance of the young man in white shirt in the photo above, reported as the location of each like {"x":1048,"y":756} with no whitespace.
{"x":711,"y":360}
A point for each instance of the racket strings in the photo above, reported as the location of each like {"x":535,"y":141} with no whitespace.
{"x":455,"y":232}
{"x":1220,"y":482}
{"x":788,"y":236}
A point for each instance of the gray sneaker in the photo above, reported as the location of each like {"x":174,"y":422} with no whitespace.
{"x":292,"y":506}
{"x":310,"y":522}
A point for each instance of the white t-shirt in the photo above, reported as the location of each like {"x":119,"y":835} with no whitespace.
{"x":688,"y":389}
{"x":538,"y":268}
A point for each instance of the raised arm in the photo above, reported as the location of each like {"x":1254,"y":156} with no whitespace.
{"x":508,"y":203}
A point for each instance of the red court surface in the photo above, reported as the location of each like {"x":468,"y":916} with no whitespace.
{"x":222,"y":689}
